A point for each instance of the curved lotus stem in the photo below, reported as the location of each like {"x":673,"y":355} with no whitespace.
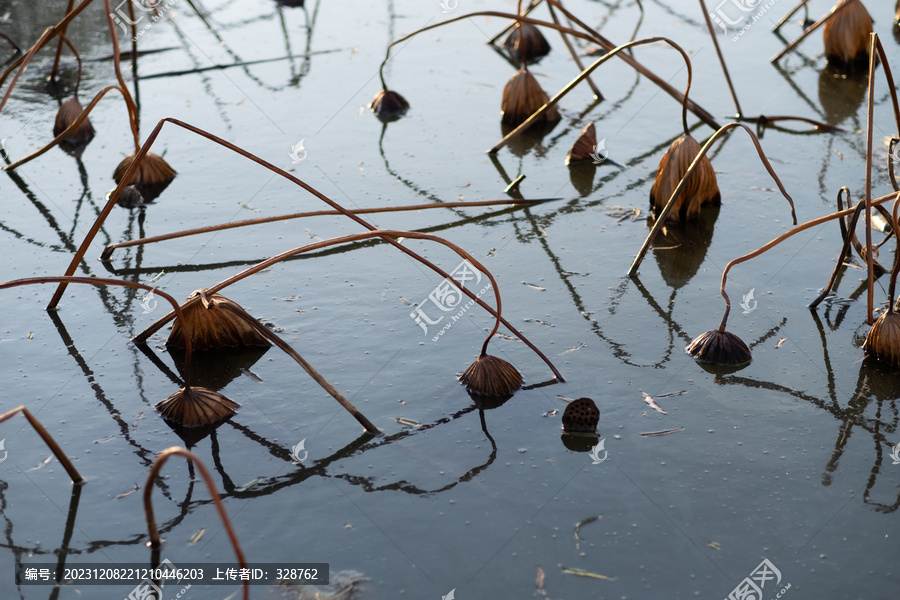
{"x":787,"y":234}
{"x":142,"y":337}
{"x":74,"y":475}
{"x":23,"y":61}
{"x":132,"y":168}
{"x":158,"y":463}
{"x":129,"y":101}
{"x":661,"y":219}
{"x":571,"y":85}
{"x":59,"y":45}
{"x":893,"y":285}
{"x":70,"y":129}
{"x":131,"y":284}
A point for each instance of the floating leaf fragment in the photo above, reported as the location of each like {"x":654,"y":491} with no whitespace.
{"x":714,"y":545}
{"x":649,"y":400}
{"x":196,"y":537}
{"x":536,"y":287}
{"x":43,"y":462}
{"x":583,"y":523}
{"x":129,"y":492}
{"x":408,"y":422}
{"x":663,"y":432}
{"x":248,"y":485}
{"x":573,"y":349}
{"x":780,"y":342}
{"x":550,"y":413}
{"x":582,"y":573}
{"x":106,"y":439}
{"x":252,"y":375}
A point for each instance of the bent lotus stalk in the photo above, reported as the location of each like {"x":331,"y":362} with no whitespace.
{"x":883,"y":339}
{"x":153,"y":531}
{"x":57,"y":450}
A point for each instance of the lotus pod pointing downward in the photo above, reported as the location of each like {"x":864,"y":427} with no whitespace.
{"x":883,"y":339}
{"x":388,"y":105}
{"x":701,"y":187}
{"x":491,"y":376}
{"x":526,"y":44}
{"x":68,"y":113}
{"x":152,"y":176}
{"x":846,"y":34}
{"x":213,"y":326}
{"x":719,"y":348}
{"x":522,"y":96}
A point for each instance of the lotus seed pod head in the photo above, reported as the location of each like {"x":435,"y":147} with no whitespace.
{"x":196,"y":407}
{"x":883,"y":339}
{"x":491,"y":376}
{"x":585,"y":147}
{"x":68,"y":112}
{"x":581,"y":416}
{"x":846,"y":35}
{"x":389,"y":106}
{"x":719,"y":348}
{"x":526,"y":41}
{"x":152,"y":176}
{"x":214,"y":324}
{"x":522,"y":96}
{"x":700,"y":189}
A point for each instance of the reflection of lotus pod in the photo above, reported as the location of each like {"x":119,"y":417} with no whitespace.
{"x":491,"y":376}
{"x":526,"y":42}
{"x":68,"y":112}
{"x":847,"y":33}
{"x":389,"y":106}
{"x":701,"y":188}
{"x":130,"y":197}
{"x":196,"y":406}
{"x":151,"y":177}
{"x":883,"y":340}
{"x":583,"y":148}
{"x":522,"y":96}
{"x":581,"y":416}
{"x":719,"y":348}
{"x":213,"y":325}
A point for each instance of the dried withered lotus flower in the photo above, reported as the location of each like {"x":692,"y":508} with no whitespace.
{"x":212,"y":325}
{"x":584,"y":147}
{"x":701,"y":188}
{"x":196,"y":406}
{"x":847,"y":33}
{"x":522,"y":96}
{"x":491,"y":376}
{"x":389,"y":105}
{"x":68,"y":112}
{"x":526,"y":42}
{"x":152,"y":175}
{"x":883,"y":339}
{"x":581,"y":416}
{"x":719,"y":348}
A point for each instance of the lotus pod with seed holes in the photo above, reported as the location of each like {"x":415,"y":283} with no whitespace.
{"x":581,"y":416}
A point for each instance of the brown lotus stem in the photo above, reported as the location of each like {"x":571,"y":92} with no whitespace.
{"x":74,"y":475}
{"x":129,"y":101}
{"x":700,"y":112}
{"x":158,"y":463}
{"x":809,"y":30}
{"x":895,"y":227}
{"x":24,"y":60}
{"x":591,"y":36}
{"x":870,"y":125}
{"x":534,"y":4}
{"x":132,"y":167}
{"x":571,"y":85}
{"x":64,"y":134}
{"x":788,"y":16}
{"x":110,"y":248}
{"x":661,"y":218}
{"x":787,"y":234}
{"x":765,"y":120}
{"x":13,"y":43}
{"x":326,"y":385}
{"x":845,"y":253}
{"x":59,"y":45}
{"x":131,"y":284}
{"x":712,"y":33}
{"x":577,"y":59}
